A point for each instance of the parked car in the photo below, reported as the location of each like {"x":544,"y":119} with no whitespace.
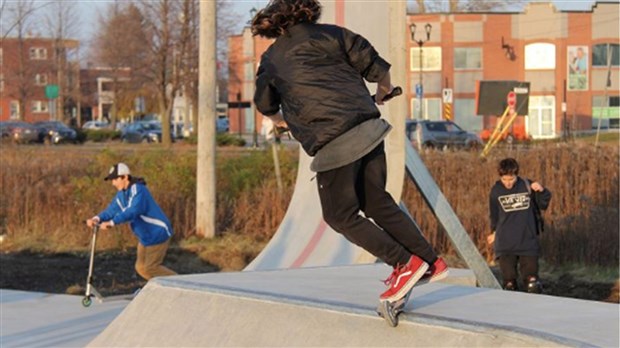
{"x":19,"y":132}
{"x":141,"y":132}
{"x":222,"y":125}
{"x":95,"y":125}
{"x":56,"y":132}
{"x":440,"y":134}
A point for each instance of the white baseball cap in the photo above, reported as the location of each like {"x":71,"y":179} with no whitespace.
{"x":117,"y":170}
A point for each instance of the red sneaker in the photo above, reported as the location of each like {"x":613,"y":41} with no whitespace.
{"x":437,"y":271}
{"x":403,"y":278}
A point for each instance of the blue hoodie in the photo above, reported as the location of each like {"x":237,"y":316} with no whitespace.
{"x":136,"y":206}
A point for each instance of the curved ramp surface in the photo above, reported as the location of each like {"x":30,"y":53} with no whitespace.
{"x":335,"y":306}
{"x":303,"y":239}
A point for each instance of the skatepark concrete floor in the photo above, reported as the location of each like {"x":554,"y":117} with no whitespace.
{"x":114,"y":274}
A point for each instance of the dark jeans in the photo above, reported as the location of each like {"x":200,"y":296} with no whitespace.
{"x":528,"y":267}
{"x":360,"y":186}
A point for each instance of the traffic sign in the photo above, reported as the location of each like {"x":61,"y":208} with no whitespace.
{"x":447,"y":95}
{"x":512,"y":100}
{"x":419,"y":90}
{"x":51,"y":91}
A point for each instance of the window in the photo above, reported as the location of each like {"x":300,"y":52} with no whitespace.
{"x":39,"y":106}
{"x":38,"y":53}
{"x":40,"y":79}
{"x":468,"y":58}
{"x":599,"y":54}
{"x":431,"y":58}
{"x":607,"y":111}
{"x":540,"y":56}
{"x":14,"y":113}
{"x":541,"y":118}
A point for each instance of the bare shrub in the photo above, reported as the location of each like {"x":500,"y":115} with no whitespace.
{"x":48,"y":192}
{"x":581,"y":222}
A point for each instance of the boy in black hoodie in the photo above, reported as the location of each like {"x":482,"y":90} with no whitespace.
{"x":514,"y":205}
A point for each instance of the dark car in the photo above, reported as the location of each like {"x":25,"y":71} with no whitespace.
{"x":141,"y":132}
{"x":19,"y":132}
{"x":56,"y":132}
{"x":440,"y":134}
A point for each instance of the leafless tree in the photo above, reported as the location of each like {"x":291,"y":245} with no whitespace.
{"x":18,"y":20}
{"x":163,"y":57}
{"x":163,"y":19}
{"x":121,"y":45}
{"x":62,"y":22}
{"x":226,"y":21}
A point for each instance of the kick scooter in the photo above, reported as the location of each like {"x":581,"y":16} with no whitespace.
{"x":91,"y":291}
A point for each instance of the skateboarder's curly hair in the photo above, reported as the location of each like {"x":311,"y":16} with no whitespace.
{"x":279,"y":15}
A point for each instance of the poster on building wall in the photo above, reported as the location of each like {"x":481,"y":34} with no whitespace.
{"x":578,"y":68}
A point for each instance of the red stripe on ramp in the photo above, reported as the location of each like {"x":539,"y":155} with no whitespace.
{"x":340,"y":12}
{"x":314,"y":241}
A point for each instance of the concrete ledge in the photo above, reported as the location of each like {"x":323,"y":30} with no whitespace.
{"x":335,"y":306}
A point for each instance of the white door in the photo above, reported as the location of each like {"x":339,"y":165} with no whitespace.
{"x":541,"y":117}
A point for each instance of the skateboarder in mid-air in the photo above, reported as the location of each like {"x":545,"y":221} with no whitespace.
{"x":311,"y":80}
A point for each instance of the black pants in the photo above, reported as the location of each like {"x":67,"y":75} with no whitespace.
{"x":360,"y":186}
{"x":528,"y":267}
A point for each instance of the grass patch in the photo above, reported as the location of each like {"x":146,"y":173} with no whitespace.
{"x":611,"y":138}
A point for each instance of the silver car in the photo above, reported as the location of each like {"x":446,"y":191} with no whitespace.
{"x":440,"y":135}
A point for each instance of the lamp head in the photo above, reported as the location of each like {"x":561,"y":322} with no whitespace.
{"x":428,"y":28}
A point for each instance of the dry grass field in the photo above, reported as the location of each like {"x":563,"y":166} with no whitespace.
{"x":47,"y":192}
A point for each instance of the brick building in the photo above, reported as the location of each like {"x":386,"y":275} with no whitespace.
{"x":244,"y":52}
{"x":562,"y":54}
{"x":30,"y":66}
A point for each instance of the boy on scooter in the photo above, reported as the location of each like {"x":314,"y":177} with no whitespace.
{"x":133,"y":203}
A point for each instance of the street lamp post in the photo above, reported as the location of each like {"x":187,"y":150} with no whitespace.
{"x":253,"y":107}
{"x":420,"y":86}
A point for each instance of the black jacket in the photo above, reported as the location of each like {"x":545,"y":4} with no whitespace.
{"x":315,"y":73}
{"x":513,"y":218}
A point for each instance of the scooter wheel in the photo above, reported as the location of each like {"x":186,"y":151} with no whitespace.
{"x":86,"y":301}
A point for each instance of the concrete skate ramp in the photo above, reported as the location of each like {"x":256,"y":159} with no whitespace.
{"x":303,"y":239}
{"x":335,"y":306}
{"x":35,"y":319}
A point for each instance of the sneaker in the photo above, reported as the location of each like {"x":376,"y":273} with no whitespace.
{"x":403,"y":278}
{"x":437,"y":271}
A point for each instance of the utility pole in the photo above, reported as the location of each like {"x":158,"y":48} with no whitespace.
{"x":205,"y":166}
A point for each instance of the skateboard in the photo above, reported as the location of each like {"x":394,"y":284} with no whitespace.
{"x":390,"y":310}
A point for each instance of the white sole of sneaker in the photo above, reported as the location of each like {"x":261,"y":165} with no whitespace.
{"x":408,"y":286}
{"x":435,"y":278}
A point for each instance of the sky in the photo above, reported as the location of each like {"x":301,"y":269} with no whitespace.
{"x":90,"y":9}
